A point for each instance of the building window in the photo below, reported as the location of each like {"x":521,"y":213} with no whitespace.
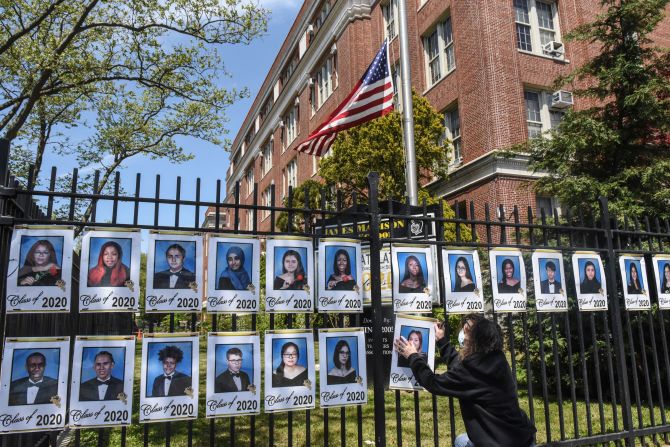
{"x":390,"y":13}
{"x":536,"y":26}
{"x":250,"y":220}
{"x":290,"y":126}
{"x":292,"y":174}
{"x":323,"y":13}
{"x":325,"y":82}
{"x":266,"y":159}
{"x":547,"y":204}
{"x":439,"y":49}
{"x":452,"y":131}
{"x":266,"y":200}
{"x":250,"y":180}
{"x":397,"y":80}
{"x":540,"y":117}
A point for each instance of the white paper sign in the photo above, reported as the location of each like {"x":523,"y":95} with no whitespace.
{"x":342,"y":371}
{"x":39,"y":270}
{"x":101,"y":391}
{"x":233,"y":374}
{"x":170,"y":375}
{"x":463,"y":282}
{"x":590,"y":281}
{"x":174,"y":273}
{"x":340,"y":276}
{"x":508,"y":279}
{"x":109,"y":274}
{"x":289,"y":277}
{"x":413,"y":280}
{"x":289,"y":370}
{"x":549,"y":281}
{"x":385,"y":273}
{"x":233,"y":274}
{"x":34,"y":384}
{"x":419,"y":331}
{"x":662,"y":276}
{"x":634,"y":279}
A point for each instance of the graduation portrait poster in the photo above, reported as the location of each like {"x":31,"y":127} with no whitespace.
{"x":109,"y":274}
{"x":101,"y":389}
{"x":39,"y":269}
{"x":34,"y":384}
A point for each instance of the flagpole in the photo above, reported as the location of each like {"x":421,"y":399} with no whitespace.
{"x":407,"y":108}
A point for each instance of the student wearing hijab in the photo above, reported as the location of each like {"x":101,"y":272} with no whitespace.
{"x":234,"y":277}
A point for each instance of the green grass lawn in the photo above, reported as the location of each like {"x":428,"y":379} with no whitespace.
{"x":426,"y":422}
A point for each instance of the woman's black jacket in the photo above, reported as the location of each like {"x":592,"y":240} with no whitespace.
{"x":484,"y":385}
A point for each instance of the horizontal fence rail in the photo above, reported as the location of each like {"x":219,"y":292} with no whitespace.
{"x":583,"y":378}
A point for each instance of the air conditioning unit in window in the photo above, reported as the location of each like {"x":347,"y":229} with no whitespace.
{"x":281,"y":124}
{"x":553,"y":48}
{"x":561,"y":99}
{"x":310,"y":82}
{"x":310,"y":29}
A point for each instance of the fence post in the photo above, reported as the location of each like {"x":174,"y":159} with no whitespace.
{"x":617,"y":328}
{"x":376,"y":296}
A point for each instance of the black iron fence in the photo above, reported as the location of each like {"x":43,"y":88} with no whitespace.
{"x":584,"y":378}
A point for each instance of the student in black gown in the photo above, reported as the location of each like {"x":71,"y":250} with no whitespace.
{"x":590,"y":284}
{"x":634,"y":284}
{"x":463,"y":281}
{"x":413,"y":281}
{"x":289,"y":373}
{"x":41,"y":266}
{"x":293,"y":275}
{"x":665,"y":280}
{"x":342,"y":372}
{"x":508,"y":283}
{"x":341,"y":278}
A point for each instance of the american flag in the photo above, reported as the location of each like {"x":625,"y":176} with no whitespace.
{"x":371,"y":97}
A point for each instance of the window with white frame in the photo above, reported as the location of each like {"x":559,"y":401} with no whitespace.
{"x":290,"y":126}
{"x":439,"y":49}
{"x":323,"y":13}
{"x":395,"y":75}
{"x":292,"y":174}
{"x":536,"y":26}
{"x":325,"y":81}
{"x":266,"y":158}
{"x":250,"y":180}
{"x":266,"y":200}
{"x":250,"y":219}
{"x":540,"y":117}
{"x":390,"y":13}
{"x":452,"y":131}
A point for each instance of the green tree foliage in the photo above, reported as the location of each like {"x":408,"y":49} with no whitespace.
{"x":378,"y":146}
{"x":618,"y":147}
{"x":136,"y":74}
{"x":313,"y":189}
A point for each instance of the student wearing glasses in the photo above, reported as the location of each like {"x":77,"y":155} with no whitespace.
{"x":342,"y":372}
{"x":464,"y":281}
{"x":232,"y":379}
{"x":289,"y":373}
{"x":234,"y":277}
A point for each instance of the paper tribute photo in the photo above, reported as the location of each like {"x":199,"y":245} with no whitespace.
{"x":661,"y":264}
{"x":169,"y":380}
{"x":633,"y":275}
{"x":412,"y":278}
{"x":549,"y":281}
{"x":39,"y":270}
{"x":590,"y":281}
{"x":34,"y":383}
{"x":419,"y":333}
{"x":463,"y":280}
{"x":109,"y":278}
{"x":173,"y":269}
{"x":289,"y":370}
{"x":340,"y":273}
{"x":343,"y":367}
{"x":235,"y":285}
{"x":508,"y":280}
{"x":102,"y":381}
{"x":233,"y":378}
{"x":290,"y":275}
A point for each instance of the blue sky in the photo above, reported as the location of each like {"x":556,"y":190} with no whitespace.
{"x":210,"y":162}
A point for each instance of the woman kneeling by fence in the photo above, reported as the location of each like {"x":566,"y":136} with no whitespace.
{"x":480,"y":377}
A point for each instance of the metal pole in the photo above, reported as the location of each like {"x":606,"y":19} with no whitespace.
{"x":407,"y":108}
{"x":376,"y":296}
{"x":617,"y":329}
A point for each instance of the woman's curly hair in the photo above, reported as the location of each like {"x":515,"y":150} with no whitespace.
{"x":484,"y":336}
